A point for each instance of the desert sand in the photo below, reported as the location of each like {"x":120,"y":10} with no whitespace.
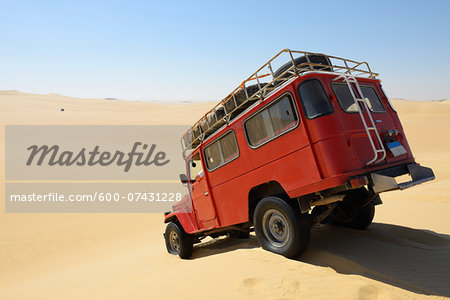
{"x":405,"y":253}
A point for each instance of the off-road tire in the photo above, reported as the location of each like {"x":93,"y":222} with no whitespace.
{"x":361,"y":220}
{"x":178,"y":242}
{"x":317,"y":59}
{"x":276,"y":212}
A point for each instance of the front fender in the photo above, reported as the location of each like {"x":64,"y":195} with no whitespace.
{"x":185,"y":220}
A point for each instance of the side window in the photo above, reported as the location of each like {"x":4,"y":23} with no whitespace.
{"x":314,"y":99}
{"x":195,"y":167}
{"x":374,"y":103}
{"x":221,"y":151}
{"x":271,"y":121}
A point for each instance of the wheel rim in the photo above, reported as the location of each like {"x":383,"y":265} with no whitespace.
{"x":174,"y":241}
{"x":275,"y":228}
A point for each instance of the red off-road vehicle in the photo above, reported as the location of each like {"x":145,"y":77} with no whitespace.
{"x":317,"y":142}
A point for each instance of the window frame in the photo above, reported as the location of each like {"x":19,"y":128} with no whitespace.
{"x":303,"y":106}
{"x":292,"y":101}
{"x":216,"y":140}
{"x":389,"y":100}
{"x":333,"y":84}
{"x":189,"y":169}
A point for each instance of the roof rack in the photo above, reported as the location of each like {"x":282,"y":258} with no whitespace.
{"x":245,"y":95}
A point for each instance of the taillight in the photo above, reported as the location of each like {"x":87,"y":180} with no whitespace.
{"x":392,"y":135}
{"x":358,"y":182}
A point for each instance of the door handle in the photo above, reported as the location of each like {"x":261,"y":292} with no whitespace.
{"x":206,"y":193}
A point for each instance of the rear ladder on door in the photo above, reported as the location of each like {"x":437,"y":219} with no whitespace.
{"x":378,"y":148}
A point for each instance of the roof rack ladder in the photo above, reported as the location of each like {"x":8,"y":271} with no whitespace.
{"x":377,"y":151}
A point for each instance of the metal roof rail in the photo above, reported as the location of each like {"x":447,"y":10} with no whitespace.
{"x":245,"y":95}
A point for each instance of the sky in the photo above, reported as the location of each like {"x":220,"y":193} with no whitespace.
{"x":202,"y":50}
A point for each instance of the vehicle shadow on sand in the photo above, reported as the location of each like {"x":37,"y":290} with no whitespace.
{"x":223,"y":245}
{"x":411,"y":259}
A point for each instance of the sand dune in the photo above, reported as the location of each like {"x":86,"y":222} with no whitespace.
{"x":405,"y":254}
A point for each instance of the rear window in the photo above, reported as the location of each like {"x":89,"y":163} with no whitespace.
{"x":347,"y":103}
{"x":271,"y":121}
{"x":221,"y":151}
{"x":344,"y":97}
{"x":374,"y":103}
{"x":314,"y":99}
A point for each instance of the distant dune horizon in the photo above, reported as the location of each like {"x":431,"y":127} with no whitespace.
{"x":114,"y":98}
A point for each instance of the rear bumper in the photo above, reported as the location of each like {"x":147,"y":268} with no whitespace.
{"x":384,"y":180}
{"x":342,"y":182}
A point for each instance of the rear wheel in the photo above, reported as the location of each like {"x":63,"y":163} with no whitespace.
{"x":178,"y":242}
{"x":360,"y":220}
{"x":279,"y":228}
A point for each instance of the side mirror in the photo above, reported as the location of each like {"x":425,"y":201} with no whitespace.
{"x":183,"y":178}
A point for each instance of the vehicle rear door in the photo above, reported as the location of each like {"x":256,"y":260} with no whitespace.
{"x":353,"y":123}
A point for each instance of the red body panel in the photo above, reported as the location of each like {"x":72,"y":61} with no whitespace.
{"x":317,"y":154}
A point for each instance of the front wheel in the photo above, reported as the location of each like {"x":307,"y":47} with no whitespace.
{"x":279,"y":228}
{"x":178,"y":242}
